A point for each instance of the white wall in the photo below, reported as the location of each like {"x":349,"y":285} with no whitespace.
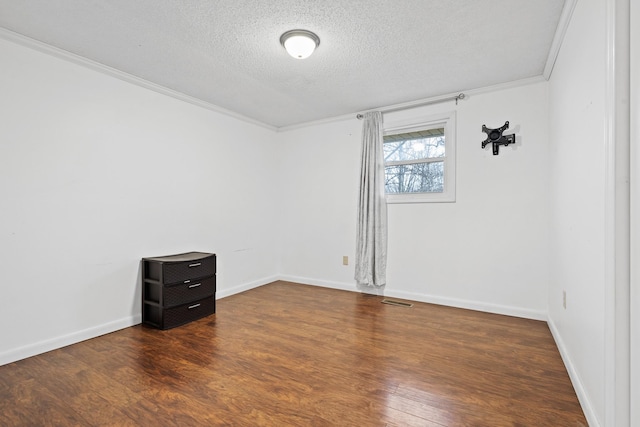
{"x":319,"y":170}
{"x":96,"y":173}
{"x":576,"y":115}
{"x":486,"y":251}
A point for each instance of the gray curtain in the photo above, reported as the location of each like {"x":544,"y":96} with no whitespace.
{"x":371,"y":236}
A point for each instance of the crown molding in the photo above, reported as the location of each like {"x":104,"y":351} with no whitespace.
{"x":421,"y":102}
{"x":121,"y":75}
{"x":561,"y":30}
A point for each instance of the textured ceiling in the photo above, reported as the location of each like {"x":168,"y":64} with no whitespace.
{"x":372,"y":53}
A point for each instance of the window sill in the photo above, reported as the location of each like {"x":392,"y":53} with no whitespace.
{"x":421,"y":198}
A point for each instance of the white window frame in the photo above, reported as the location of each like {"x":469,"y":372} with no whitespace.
{"x":442,"y":120}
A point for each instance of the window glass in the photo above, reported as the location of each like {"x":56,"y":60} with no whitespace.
{"x":409,"y":161}
{"x":414,"y":145}
{"x":416,"y":178}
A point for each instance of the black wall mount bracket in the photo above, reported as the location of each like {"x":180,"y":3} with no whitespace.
{"x":496,"y":138}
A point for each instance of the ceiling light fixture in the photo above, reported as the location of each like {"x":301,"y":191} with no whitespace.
{"x":299,"y":43}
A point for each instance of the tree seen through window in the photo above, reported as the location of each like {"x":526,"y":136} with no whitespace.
{"x":414,"y":161}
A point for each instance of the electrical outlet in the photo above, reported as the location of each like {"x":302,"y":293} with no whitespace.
{"x":564,"y":299}
{"x":345,"y":260}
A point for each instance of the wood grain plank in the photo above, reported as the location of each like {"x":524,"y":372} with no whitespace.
{"x":286,"y":354}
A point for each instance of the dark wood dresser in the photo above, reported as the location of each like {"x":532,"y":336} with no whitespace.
{"x":177,"y":289}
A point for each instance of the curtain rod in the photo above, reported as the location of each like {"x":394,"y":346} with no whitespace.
{"x":435,"y":101}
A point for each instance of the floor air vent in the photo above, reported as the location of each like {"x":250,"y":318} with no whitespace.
{"x":398,"y":303}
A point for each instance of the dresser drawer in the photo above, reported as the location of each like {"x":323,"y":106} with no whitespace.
{"x":177,"y":289}
{"x":182,"y":314}
{"x":188,"y":291}
{"x":178,"y":268}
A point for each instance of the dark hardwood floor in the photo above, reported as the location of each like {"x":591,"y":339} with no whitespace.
{"x":294,"y":355}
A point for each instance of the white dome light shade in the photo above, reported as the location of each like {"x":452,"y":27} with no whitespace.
{"x":299,"y":47}
{"x":299,"y":43}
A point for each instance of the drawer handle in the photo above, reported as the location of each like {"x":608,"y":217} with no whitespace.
{"x":195,"y":285}
{"x":197,"y":264}
{"x":194,"y":306}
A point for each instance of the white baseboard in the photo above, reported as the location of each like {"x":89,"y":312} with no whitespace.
{"x":317,"y":282}
{"x":85,"y":334}
{"x":431,"y":299}
{"x":65,"y":340}
{"x":75,"y":337}
{"x":504,"y":310}
{"x":587,"y":407}
{"x":245,"y":287}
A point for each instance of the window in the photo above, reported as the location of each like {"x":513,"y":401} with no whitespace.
{"x":419,"y":160}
